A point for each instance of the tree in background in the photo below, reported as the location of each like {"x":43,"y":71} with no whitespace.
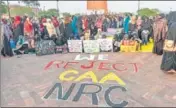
{"x":148,"y":12}
{"x":22,"y":11}
{"x":31,"y":3}
{"x":48,"y":13}
{"x":3,"y":8}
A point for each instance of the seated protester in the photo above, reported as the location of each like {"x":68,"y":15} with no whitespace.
{"x":6,"y":36}
{"x":93,"y":31}
{"x":145,"y":30}
{"x":98,"y":35}
{"x":22,"y":46}
{"x":87,"y":35}
{"x":29,"y":32}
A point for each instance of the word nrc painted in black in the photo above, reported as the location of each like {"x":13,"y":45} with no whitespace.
{"x":81,"y":91}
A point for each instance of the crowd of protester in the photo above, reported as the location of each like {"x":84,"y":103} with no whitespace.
{"x":22,"y":32}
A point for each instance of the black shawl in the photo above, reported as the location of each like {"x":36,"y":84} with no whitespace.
{"x":172,"y":26}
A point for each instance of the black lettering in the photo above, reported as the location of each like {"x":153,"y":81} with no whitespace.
{"x":109,"y":102}
{"x":59,"y":95}
{"x":94,"y":95}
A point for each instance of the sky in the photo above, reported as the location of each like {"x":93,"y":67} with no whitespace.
{"x":113,"y":6}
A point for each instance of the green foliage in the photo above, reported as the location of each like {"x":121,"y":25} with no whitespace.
{"x":148,"y":12}
{"x":31,"y":3}
{"x":48,"y":13}
{"x":66,"y":14}
{"x":22,"y":11}
{"x":3,"y":8}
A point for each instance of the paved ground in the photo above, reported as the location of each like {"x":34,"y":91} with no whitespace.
{"x":24,"y":82}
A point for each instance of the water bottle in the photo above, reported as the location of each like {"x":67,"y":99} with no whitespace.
{"x":12,"y":44}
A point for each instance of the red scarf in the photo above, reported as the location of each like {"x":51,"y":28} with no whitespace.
{"x":44,"y":20}
{"x":85,"y":24}
{"x":17,"y":21}
{"x":28,"y":27}
{"x":55,"y":22}
{"x":99,"y":23}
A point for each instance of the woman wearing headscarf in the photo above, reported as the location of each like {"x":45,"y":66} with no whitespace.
{"x":99,"y":23}
{"x":79,"y":25}
{"x":75,"y":28}
{"x":145,"y":30}
{"x":17,"y":28}
{"x":29,"y":32}
{"x":160,"y":29}
{"x":85,"y":23}
{"x":6,"y":36}
{"x":68,"y":29}
{"x":105,"y":24}
{"x":139,"y":26}
{"x":132,"y":24}
{"x":50,"y":28}
{"x":126,"y":24}
{"x":93,"y":31}
{"x":169,"y":57}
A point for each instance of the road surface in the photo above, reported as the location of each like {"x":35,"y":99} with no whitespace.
{"x":121,"y":79}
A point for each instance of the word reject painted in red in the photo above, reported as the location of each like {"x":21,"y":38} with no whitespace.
{"x":93,"y":64}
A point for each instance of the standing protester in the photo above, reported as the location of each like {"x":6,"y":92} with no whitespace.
{"x":139,"y":26}
{"x":169,"y":57}
{"x":35,"y":25}
{"x":126,"y":24}
{"x":29,"y":32}
{"x":132,"y":24}
{"x":68,"y":30}
{"x":105,"y":24}
{"x":50,"y":28}
{"x":17,"y":29}
{"x":93,"y":31}
{"x":6,"y":36}
{"x":75,"y":27}
{"x":151,"y":29}
{"x":56,"y":25}
{"x":145,"y":30}
{"x":160,"y":29}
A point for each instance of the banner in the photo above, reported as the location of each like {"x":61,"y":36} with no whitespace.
{"x":106,"y":45}
{"x":91,"y":46}
{"x":97,"y":5}
{"x":75,"y":45}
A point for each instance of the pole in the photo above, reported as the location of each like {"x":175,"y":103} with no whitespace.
{"x":9,"y":11}
{"x":138,"y":6}
{"x":57,"y":7}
